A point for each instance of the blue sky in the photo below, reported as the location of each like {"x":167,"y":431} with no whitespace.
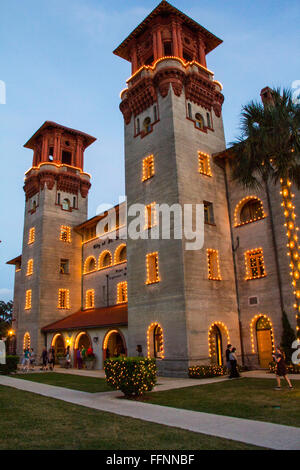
{"x":57,"y":63}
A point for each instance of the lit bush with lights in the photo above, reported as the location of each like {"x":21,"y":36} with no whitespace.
{"x":134,"y":376}
{"x":204,"y":372}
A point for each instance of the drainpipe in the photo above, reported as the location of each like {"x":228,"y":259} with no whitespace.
{"x":107,"y":291}
{"x":234,"y":249}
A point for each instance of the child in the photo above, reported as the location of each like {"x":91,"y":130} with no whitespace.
{"x":281,"y":369}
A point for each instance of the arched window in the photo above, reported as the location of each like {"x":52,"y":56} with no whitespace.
{"x":199,"y":121}
{"x":249,"y":209}
{"x":147,"y":125}
{"x":155,"y":341}
{"x":29,"y":267}
{"x":66,"y":205}
{"x":90,"y":265}
{"x":26,"y":341}
{"x":90,"y":299}
{"x":105,"y":260}
{"x":121,"y":254}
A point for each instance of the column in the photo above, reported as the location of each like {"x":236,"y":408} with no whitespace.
{"x":44,"y":157}
{"x":175,"y":40}
{"x":202,"y":54}
{"x":155,"y":53}
{"x":133,"y":56}
{"x":79,"y":154}
{"x":159,"y":44}
{"x":179,"y":39}
{"x":57,"y":145}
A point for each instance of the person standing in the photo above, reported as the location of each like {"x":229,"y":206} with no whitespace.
{"x":227,"y":353}
{"x":68,"y":357}
{"x":32,"y":359}
{"x":233,"y":364}
{"x":139,"y":350}
{"x":83,"y":355}
{"x":51,"y":358}
{"x":44,"y":359}
{"x":27,"y":359}
{"x":79,"y":359}
{"x":281,"y":370}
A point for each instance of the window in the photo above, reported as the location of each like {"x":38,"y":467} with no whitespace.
{"x":31,"y":236}
{"x":64,"y":299}
{"x":74,"y":202}
{"x":251,"y":211}
{"x":199,"y":121}
{"x":51,"y":154}
{"x":28,"y":298}
{"x":155,"y":113}
{"x":26,"y":341}
{"x":90,"y":298}
{"x":208,"y":120}
{"x":148,"y":168}
{"x":64,"y":266}
{"x":122,"y":293}
{"x":155,"y":341}
{"x":121,"y":254}
{"x":213,"y":265}
{"x":147,"y":125}
{"x":150,"y":215}
{"x":29,"y":267}
{"x":66,"y":157}
{"x":168,"y":49}
{"x":105,"y":259}
{"x":187,"y":56}
{"x":66,"y":205}
{"x":190,"y":114}
{"x":90,"y":265}
{"x":255,"y":265}
{"x":138,"y":126}
{"x":65,"y":234}
{"x":58,"y":198}
{"x":152,"y":268}
{"x":204,"y":164}
{"x":209,"y":213}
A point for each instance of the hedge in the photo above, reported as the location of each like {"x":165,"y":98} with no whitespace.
{"x":134,"y":376}
{"x":291,"y":368}
{"x":203,"y":372}
{"x":10,"y":366}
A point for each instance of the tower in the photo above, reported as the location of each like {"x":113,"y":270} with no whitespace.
{"x":182,"y":304}
{"x":49,"y":271}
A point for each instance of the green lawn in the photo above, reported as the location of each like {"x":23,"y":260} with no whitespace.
{"x":75,"y":382}
{"x":243,"y":398}
{"x":30,"y":421}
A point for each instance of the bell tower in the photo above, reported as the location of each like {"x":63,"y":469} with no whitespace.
{"x":56,"y":190}
{"x":172,"y":108}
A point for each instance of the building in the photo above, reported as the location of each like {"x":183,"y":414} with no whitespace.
{"x":77,"y":286}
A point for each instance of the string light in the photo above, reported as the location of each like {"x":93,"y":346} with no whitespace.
{"x":213,"y":265}
{"x":90,"y":265}
{"x":210,"y":333}
{"x":119,"y":251}
{"x":26,"y":341}
{"x":152,"y":268}
{"x":90,"y":299}
{"x":151,"y":328}
{"x":148,"y":168}
{"x":28,"y":299}
{"x":254,"y":320}
{"x":292,"y":245}
{"x":29,"y":267}
{"x":102,"y":264}
{"x":31,"y":236}
{"x":57,"y":165}
{"x":65,"y":234}
{"x":63,"y":299}
{"x":204,"y":164}
{"x":122,"y":293}
{"x":105,"y":342}
{"x":259,"y":214}
{"x":255,"y":265}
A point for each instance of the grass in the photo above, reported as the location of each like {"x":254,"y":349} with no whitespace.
{"x":75,"y":382}
{"x":243,"y":398}
{"x":33,"y":422}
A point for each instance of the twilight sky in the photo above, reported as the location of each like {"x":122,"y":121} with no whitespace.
{"x":57,"y":63}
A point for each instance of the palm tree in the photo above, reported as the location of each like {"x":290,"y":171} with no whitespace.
{"x":268,"y":152}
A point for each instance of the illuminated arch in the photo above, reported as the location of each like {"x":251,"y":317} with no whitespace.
{"x":253,"y":328}
{"x":58,"y":343}
{"x":223,"y":329}
{"x":155,"y":341}
{"x":260,"y":213}
{"x":120,"y":254}
{"x":82,"y":333}
{"x":106,"y":341}
{"x":105,"y":260}
{"x":26,"y":341}
{"x":90,"y":265}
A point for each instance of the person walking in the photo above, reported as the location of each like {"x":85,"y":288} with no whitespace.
{"x":51,"y":358}
{"x":281,"y":370}
{"x":233,"y":364}
{"x":27,"y":360}
{"x":32,"y":359}
{"x":227,"y":353}
{"x":68,"y":357}
{"x":44,"y":357}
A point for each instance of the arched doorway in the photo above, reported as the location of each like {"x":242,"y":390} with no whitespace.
{"x":155,"y":341}
{"x":59,"y":346}
{"x":82,"y":341}
{"x":216,"y":345}
{"x":264,"y":338}
{"x":114,"y":345}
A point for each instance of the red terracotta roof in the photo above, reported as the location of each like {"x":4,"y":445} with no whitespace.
{"x":99,"y":317}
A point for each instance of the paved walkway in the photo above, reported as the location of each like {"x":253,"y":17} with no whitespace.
{"x":272,"y":436}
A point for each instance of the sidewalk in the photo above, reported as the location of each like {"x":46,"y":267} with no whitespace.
{"x":272,"y":436}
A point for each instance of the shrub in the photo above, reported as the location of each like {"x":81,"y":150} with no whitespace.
{"x":10,"y":366}
{"x":90,"y":356}
{"x":203,"y":372}
{"x":132,"y":375}
{"x":291,"y":368}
